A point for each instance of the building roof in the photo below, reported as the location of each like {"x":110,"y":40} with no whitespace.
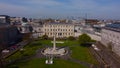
{"x":113,"y":27}
{"x":59,"y":23}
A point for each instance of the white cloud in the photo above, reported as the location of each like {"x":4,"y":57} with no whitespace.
{"x":6,"y":8}
{"x":56,"y":8}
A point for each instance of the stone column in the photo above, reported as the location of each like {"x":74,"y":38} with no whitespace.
{"x":54,"y":41}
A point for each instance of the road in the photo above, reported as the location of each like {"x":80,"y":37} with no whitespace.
{"x":106,"y":57}
{"x":21,"y":45}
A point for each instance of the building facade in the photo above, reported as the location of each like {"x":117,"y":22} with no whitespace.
{"x":59,"y":29}
{"x":9,"y":35}
{"x":4,"y":19}
{"x":37,"y":31}
{"x":111,"y":36}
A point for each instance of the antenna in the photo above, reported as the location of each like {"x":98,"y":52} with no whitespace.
{"x":85,"y":17}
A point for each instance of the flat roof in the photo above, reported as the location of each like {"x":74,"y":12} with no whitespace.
{"x":59,"y":23}
{"x":113,"y":27}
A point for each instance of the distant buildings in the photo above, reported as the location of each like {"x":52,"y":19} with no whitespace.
{"x":111,"y":37}
{"x":12,"y":30}
{"x":5,"y":19}
{"x":61,"y":29}
{"x":91,"y":21}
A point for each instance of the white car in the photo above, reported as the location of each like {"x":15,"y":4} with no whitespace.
{"x":97,"y":49}
{"x":5,"y":51}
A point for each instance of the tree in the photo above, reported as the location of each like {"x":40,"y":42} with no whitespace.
{"x":24,"y":19}
{"x":84,"y":39}
{"x":45,"y":37}
{"x":71,"y":38}
{"x":30,"y":28}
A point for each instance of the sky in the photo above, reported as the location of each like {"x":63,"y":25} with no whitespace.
{"x":102,"y":9}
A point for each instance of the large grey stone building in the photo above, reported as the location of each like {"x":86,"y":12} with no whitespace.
{"x":60,"y":29}
{"x":111,"y":37}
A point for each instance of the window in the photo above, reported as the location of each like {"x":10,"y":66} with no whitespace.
{"x":69,"y":29}
{"x":59,"y":34}
{"x":69,"y":33}
{"x":51,"y":33}
{"x":66,"y":25}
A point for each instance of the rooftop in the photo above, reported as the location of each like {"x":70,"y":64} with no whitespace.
{"x":59,"y":23}
{"x":113,"y":27}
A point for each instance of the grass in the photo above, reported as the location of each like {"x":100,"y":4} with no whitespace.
{"x":78,"y":52}
{"x":28,"y":51}
{"x":83,"y":54}
{"x":40,"y":63}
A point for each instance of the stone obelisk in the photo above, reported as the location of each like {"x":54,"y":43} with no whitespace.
{"x":54,"y":41}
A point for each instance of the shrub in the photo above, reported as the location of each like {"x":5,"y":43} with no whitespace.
{"x":45,"y":37}
{"x":71,"y":38}
{"x":84,"y":38}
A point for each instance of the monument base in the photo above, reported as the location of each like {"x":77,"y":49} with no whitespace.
{"x":51,"y":51}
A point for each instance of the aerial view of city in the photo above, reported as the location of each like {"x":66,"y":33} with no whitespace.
{"x":59,"y":34}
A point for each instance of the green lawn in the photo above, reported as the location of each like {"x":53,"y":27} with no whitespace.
{"x":28,"y":51}
{"x":82,"y":53}
{"x":40,"y":63}
{"x":78,"y":52}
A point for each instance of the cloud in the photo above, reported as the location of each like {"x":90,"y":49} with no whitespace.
{"x":102,"y":8}
{"x":10,"y":9}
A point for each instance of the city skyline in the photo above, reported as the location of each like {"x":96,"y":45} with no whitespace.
{"x":103,"y":9}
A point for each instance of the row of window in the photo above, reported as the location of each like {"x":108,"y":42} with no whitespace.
{"x":60,"y":34}
{"x":58,"y":26}
{"x":58,"y":29}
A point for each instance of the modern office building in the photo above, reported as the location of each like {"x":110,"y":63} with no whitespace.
{"x":111,"y":37}
{"x":59,"y":29}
